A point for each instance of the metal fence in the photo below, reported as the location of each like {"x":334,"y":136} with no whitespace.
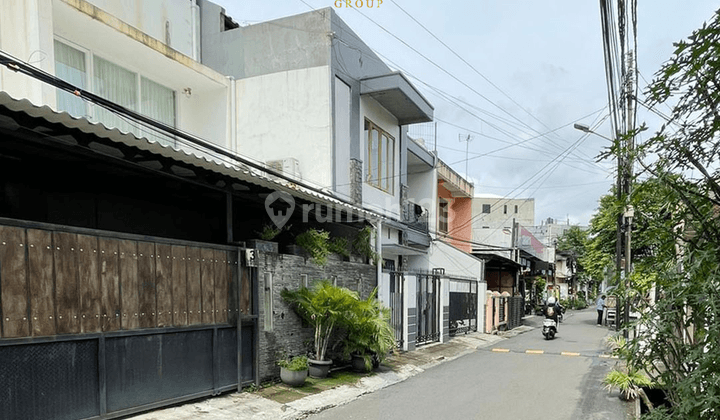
{"x":463,"y":306}
{"x":396,"y":306}
{"x":428,"y":308}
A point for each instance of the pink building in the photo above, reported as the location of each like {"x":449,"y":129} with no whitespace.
{"x":455,"y":194}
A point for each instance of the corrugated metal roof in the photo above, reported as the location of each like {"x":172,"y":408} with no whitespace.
{"x":209,"y":160}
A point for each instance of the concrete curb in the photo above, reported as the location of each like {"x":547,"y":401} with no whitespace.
{"x":249,"y":406}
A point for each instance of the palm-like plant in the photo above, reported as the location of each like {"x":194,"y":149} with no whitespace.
{"x":628,"y":379}
{"x":325,"y":307}
{"x":369,"y":333}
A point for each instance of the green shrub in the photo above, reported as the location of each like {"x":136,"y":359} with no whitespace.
{"x":339,"y":245}
{"x":294,"y":364}
{"x":362,"y":245}
{"x":316,"y":243}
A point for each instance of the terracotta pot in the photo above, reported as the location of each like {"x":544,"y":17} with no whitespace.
{"x":293,"y":377}
{"x":319,"y":368}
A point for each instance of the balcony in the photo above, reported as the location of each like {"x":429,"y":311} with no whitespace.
{"x":416,"y":217}
{"x":453,"y":182}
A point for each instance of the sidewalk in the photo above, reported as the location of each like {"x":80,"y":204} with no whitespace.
{"x":403,"y":365}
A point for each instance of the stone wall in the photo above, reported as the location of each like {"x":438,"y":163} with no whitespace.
{"x":287,"y":334}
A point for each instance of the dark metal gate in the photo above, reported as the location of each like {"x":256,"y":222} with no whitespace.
{"x":166,"y":322}
{"x":463,"y":306}
{"x":396,"y":306}
{"x":428,"y":307}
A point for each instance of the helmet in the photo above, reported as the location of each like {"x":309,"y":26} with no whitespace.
{"x":551,"y":300}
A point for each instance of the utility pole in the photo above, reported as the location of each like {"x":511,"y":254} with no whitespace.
{"x":628,"y":87}
{"x":467,"y":141}
{"x":619,"y":29}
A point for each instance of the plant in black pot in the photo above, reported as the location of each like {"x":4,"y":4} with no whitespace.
{"x":369,"y":334}
{"x":293,"y":370}
{"x":317,"y":245}
{"x":324,"y":307}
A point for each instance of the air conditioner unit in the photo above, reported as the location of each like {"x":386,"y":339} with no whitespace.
{"x":287,"y":166}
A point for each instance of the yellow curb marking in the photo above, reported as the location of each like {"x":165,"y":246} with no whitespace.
{"x":534,"y":351}
{"x":568,"y":353}
{"x":501,"y":350}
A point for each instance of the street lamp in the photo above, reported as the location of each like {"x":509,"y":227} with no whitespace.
{"x":628,"y":215}
{"x":585,"y":128}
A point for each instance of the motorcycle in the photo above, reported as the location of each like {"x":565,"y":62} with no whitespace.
{"x":549,"y":325}
{"x":549,"y":328}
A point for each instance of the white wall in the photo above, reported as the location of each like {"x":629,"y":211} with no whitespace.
{"x":409,"y":302}
{"x":26,"y":29}
{"x":422,"y":190}
{"x":497,"y":216}
{"x":374,"y":198}
{"x":202,"y":113}
{"x":150,"y":17}
{"x":454,"y":261}
{"x":288,"y":114}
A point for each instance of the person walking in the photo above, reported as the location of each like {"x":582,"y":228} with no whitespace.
{"x":600,"y":304}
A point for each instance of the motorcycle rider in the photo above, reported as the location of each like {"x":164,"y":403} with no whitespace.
{"x":552,"y":310}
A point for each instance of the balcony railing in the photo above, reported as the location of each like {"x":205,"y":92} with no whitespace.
{"x":416,"y":217}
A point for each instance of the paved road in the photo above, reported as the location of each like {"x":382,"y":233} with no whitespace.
{"x":506,"y":382}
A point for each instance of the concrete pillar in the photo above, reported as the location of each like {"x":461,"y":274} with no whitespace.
{"x":410,"y":309}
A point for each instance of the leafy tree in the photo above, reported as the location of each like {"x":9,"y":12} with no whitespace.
{"x":677,"y":241}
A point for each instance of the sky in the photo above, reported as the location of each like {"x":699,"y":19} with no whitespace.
{"x":508,"y":79}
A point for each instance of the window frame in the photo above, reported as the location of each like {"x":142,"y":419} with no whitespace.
{"x":384,"y":157}
{"x":443,"y":219}
{"x":91,"y":111}
{"x":487,"y":207}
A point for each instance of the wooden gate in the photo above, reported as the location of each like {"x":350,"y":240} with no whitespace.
{"x":101,"y":325}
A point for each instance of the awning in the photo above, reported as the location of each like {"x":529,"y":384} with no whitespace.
{"x":200,"y":158}
{"x":497,"y":261}
{"x":394,"y":92}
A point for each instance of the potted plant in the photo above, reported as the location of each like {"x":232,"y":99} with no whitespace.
{"x":369,"y":334}
{"x":628,"y":379}
{"x":629,"y":382}
{"x":265,"y":243}
{"x":293,"y":370}
{"x":325,"y":307}
{"x":316,"y":243}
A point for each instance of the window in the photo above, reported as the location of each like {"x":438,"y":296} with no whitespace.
{"x":516,"y":209}
{"x":505,"y":209}
{"x":486,"y":208}
{"x":117,"y":84}
{"x":443,"y":216}
{"x":70,"y":65}
{"x":380,"y":168}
